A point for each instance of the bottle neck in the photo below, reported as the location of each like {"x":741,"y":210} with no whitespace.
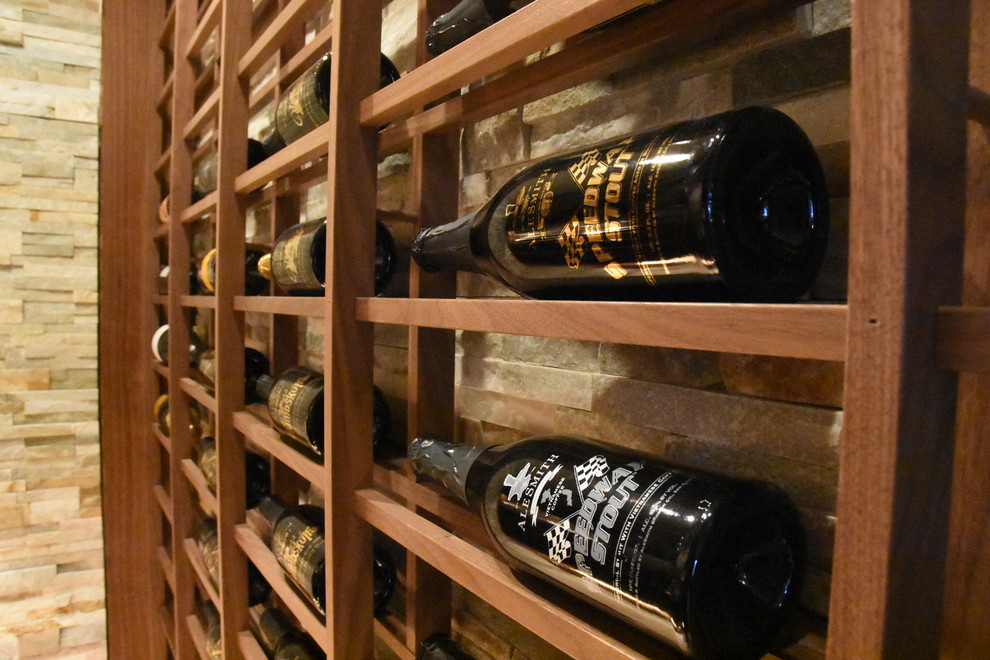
{"x":446,"y":247}
{"x":447,"y":463}
{"x":263,"y":386}
{"x":271,"y":508}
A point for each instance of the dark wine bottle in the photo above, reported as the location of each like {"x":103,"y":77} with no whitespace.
{"x":163,"y":419}
{"x":730,"y":207}
{"x":381,"y":424}
{"x":205,"y":171}
{"x":211,"y":618}
{"x":255,"y":367}
{"x":306,"y":103}
{"x":711,"y":565}
{"x":440,"y":647}
{"x":295,"y":405}
{"x":163,"y":275}
{"x":256,"y":471}
{"x":159,"y":345}
{"x":209,"y":546}
{"x":298,"y":262}
{"x":254,"y":283}
{"x":283,"y":641}
{"x":298,"y":543}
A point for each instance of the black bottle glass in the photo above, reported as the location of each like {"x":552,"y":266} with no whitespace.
{"x":299,"y":546}
{"x":159,"y":345}
{"x":730,"y":207}
{"x":257,"y":474}
{"x":209,"y":546}
{"x":440,"y":647}
{"x":298,"y":261}
{"x":254,"y":283}
{"x":711,"y":565}
{"x":255,"y":367}
{"x":194,"y":286}
{"x":205,"y":171}
{"x":306,"y":103}
{"x":283,"y":641}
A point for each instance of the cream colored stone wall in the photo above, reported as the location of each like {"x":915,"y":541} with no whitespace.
{"x":51,"y":556}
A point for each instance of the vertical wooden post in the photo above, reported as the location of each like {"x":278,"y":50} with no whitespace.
{"x":966,"y":629}
{"x":907,"y":194}
{"x":132,"y":81}
{"x":348,"y":345}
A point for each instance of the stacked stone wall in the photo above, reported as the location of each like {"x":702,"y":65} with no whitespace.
{"x":51,"y":556}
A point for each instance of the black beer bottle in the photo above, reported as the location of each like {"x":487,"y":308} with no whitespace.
{"x":711,"y":565}
{"x":730,"y":207}
{"x":283,"y":641}
{"x":209,"y":546}
{"x":306,"y":103}
{"x":298,"y":261}
{"x":257,"y":474}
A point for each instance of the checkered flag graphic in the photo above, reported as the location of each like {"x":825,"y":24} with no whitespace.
{"x":558,"y":547}
{"x":592,"y":469}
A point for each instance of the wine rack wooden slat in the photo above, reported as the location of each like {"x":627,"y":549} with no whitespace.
{"x":307,"y":55}
{"x":163,"y":439}
{"x":199,"y":394}
{"x":195,"y":557}
{"x":206,"y":205}
{"x":163,"y":162}
{"x":249,"y":647}
{"x":262,"y":94}
{"x":168,"y":568}
{"x":393,"y":641}
{"x":289,"y":19}
{"x":662,"y":30}
{"x":159,"y":369}
{"x":168,"y":627}
{"x":978,"y":109}
{"x":165,"y":99}
{"x":268,"y":566}
{"x":198,"y":636}
{"x":209,"y":21}
{"x":803,"y":331}
{"x":531,"y":29}
{"x":198,"y":302}
{"x":207,"y":499}
{"x":268,"y":439}
{"x":287,"y":305}
{"x":307,"y":148}
{"x":164,"y":501}
{"x":964,"y":338}
{"x":167,"y":33}
{"x":492,"y":581}
{"x":204,"y":114}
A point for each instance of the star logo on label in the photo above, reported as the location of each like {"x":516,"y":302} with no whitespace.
{"x":518,"y":483}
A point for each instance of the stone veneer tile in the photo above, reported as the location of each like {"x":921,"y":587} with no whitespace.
{"x":661,"y":365}
{"x":557,"y":386}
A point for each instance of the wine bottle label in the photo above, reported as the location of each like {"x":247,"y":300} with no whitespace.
{"x":300,"y":110}
{"x":617,"y":529}
{"x":601,"y":211}
{"x":292,"y":399}
{"x":299,"y":548}
{"x":292,"y":263}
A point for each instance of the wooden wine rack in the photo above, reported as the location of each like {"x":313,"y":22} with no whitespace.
{"x":914,"y":335}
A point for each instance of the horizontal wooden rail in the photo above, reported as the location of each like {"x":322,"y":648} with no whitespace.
{"x":665,"y":28}
{"x":268,"y":566}
{"x":491,"y":580}
{"x":286,"y":305}
{"x":159,"y":369}
{"x":198,"y":635}
{"x":165,"y":441}
{"x":268,"y":439}
{"x":249,"y":647}
{"x":204,"y":206}
{"x":168,"y":627}
{"x":800,"y":330}
{"x":393,"y":640}
{"x":168,"y":29}
{"x":542,"y":25}
{"x":309,"y":147}
{"x":206,"y":112}
{"x":163,"y":163}
{"x":209,"y":21}
{"x":198,"y":302}
{"x":202,"y":573}
{"x":166,"y":95}
{"x":199,"y":394}
{"x":207,"y":499}
{"x":164,"y":501}
{"x":168,"y":568}
{"x":307,"y":55}
{"x":289,"y":19}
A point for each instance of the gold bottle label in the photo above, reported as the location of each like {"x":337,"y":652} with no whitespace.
{"x":291,"y":399}
{"x":299,"y":548}
{"x":292,"y":258}
{"x":300,"y":111}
